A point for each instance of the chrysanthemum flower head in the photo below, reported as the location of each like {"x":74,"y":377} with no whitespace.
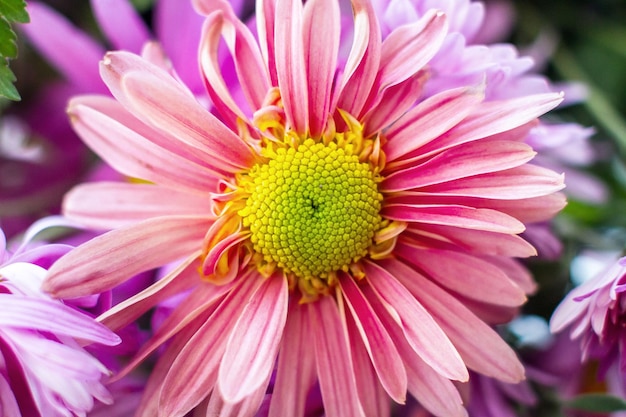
{"x":337,"y":227}
{"x":44,"y":368}
{"x":594,"y":313}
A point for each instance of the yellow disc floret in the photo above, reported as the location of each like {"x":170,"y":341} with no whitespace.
{"x":312,"y":210}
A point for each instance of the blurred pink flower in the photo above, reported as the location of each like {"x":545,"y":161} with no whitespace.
{"x":326,"y":222}
{"x":45,"y":370}
{"x":33,"y":188}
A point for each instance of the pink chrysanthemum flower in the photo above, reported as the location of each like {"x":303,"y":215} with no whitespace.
{"x":339,"y":228}
{"x":44,"y":369}
{"x":594,"y":313}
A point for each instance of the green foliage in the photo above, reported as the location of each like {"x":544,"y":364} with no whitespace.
{"x":597,"y":403}
{"x":11,"y":11}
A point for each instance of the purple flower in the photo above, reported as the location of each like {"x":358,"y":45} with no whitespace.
{"x":594,"y":312}
{"x":44,"y":367}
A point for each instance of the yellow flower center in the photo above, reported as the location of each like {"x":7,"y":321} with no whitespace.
{"x":312,"y":209}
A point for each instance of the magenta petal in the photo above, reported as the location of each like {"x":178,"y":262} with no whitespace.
{"x":72,"y":52}
{"x":177,"y":26}
{"x":332,"y":356}
{"x":121,"y":23}
{"x":111,"y":258}
{"x":8,"y":403}
{"x":253,"y":344}
{"x":19,"y":383}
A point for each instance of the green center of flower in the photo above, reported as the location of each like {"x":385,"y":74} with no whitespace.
{"x":312,"y":210}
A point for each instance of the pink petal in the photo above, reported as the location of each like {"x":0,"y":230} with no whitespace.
{"x":168,"y":108}
{"x":253,"y":344}
{"x":380,"y":348}
{"x":111,"y":258}
{"x":149,"y":404}
{"x":194,"y":372}
{"x":295,"y":371}
{"x":321,"y":28}
{"x":110,"y":205}
{"x":494,"y":117}
{"x":526,"y":210}
{"x":407,"y":49}
{"x":435,"y":392}
{"x":114,"y":110}
{"x":210,"y":264}
{"x":249,"y":65}
{"x":363,"y":62}
{"x":372,"y":395}
{"x":473,"y":241}
{"x":394,"y":102}
{"x":480,"y":346}
{"x":265,"y":25}
{"x":290,"y":64}
{"x":453,"y":215}
{"x":522,"y":182}
{"x":334,"y":365}
{"x":178,"y":280}
{"x":70,"y":51}
{"x":200,"y":303}
{"x":133,"y":154}
{"x":531,"y":210}
{"x":460,"y":162}
{"x":430,"y":119}
{"x":481,"y":280}
{"x":516,"y":271}
{"x":421,"y":331}
{"x":248,"y":406}
{"x":121,"y":24}
{"x":52,"y":316}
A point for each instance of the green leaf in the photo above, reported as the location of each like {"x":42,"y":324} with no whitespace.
{"x":598,"y":403}
{"x":14,"y":10}
{"x":8,"y":48}
{"x":10,"y":11}
{"x":7,"y":89}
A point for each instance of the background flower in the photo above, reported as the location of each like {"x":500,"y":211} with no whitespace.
{"x":45,"y":369}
